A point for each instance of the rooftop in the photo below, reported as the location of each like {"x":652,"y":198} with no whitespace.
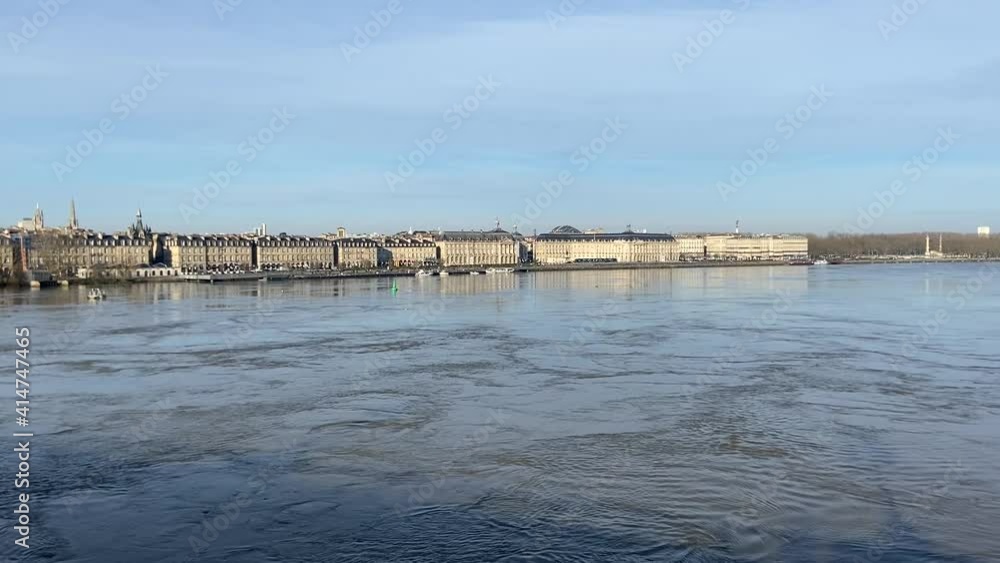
{"x":567,"y":232}
{"x":495,"y":234}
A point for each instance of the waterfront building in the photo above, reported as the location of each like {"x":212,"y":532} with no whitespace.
{"x":185,"y":252}
{"x":528,"y":249}
{"x":197,"y":253}
{"x":65,"y":254}
{"x":567,"y":245}
{"x":229,"y":251}
{"x":717,"y":247}
{"x":984,"y":232}
{"x":691,"y":247}
{"x":293,"y":252}
{"x":357,"y":253}
{"x":745,"y":247}
{"x":8,"y":256}
{"x":408,"y":251}
{"x":68,"y":251}
{"x":791,"y":247}
{"x":478,"y":248}
{"x":156,"y":271}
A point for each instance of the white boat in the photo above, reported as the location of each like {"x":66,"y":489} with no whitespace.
{"x":96,"y":294}
{"x":423,"y":274}
{"x":499,"y":270}
{"x":443,"y":273}
{"x":820,"y":262}
{"x":473,"y":273}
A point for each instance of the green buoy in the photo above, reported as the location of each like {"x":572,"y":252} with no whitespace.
{"x":394,"y":289}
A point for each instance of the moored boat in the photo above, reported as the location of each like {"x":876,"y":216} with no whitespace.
{"x":423,"y":274}
{"x":96,"y":294}
{"x":499,"y":270}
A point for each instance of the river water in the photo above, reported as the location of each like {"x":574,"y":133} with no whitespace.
{"x":840,"y":413}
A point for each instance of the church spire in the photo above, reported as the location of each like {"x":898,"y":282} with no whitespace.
{"x":139,"y":229}
{"x":73,"y":224}
{"x":39,"y":219}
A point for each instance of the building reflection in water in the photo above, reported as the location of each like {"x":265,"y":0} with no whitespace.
{"x":680,"y":282}
{"x":675,"y":282}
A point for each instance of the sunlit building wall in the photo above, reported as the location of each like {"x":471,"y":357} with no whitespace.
{"x":568,"y":245}
{"x":290,"y":251}
{"x":478,"y":248}
{"x":203,"y":252}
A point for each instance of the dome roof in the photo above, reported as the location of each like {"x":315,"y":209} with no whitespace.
{"x":566,"y":230}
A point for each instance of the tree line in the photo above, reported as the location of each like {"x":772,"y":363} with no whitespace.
{"x":904,"y":244}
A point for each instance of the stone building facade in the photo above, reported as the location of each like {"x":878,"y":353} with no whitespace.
{"x":478,"y":248}
{"x":742,"y":248}
{"x":407,"y":251}
{"x":357,"y":253}
{"x":567,"y":245}
{"x":791,"y":247}
{"x":691,"y":247}
{"x":65,"y":254}
{"x":197,"y":253}
{"x":294,"y":252}
{"x":8,"y":256}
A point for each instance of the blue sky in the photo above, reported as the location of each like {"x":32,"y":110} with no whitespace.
{"x":557,"y":84}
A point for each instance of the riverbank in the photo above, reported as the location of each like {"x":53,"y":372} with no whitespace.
{"x":338,"y":274}
{"x":921,"y":260}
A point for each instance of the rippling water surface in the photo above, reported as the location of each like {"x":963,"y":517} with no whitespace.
{"x":741,"y":414}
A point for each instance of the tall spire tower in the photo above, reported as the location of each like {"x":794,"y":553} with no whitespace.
{"x":39,"y":219}
{"x":139,"y":229}
{"x":73,"y":224}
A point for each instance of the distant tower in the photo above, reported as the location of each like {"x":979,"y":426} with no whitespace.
{"x":941,"y":244}
{"x":927,"y":250}
{"x":138,"y":229}
{"x":737,"y":226}
{"x":73,"y":224}
{"x":341,"y":232}
{"x":498,"y":223}
{"x":39,"y":219}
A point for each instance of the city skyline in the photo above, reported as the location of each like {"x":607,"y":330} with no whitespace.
{"x":71,"y":220}
{"x":330,"y":112}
